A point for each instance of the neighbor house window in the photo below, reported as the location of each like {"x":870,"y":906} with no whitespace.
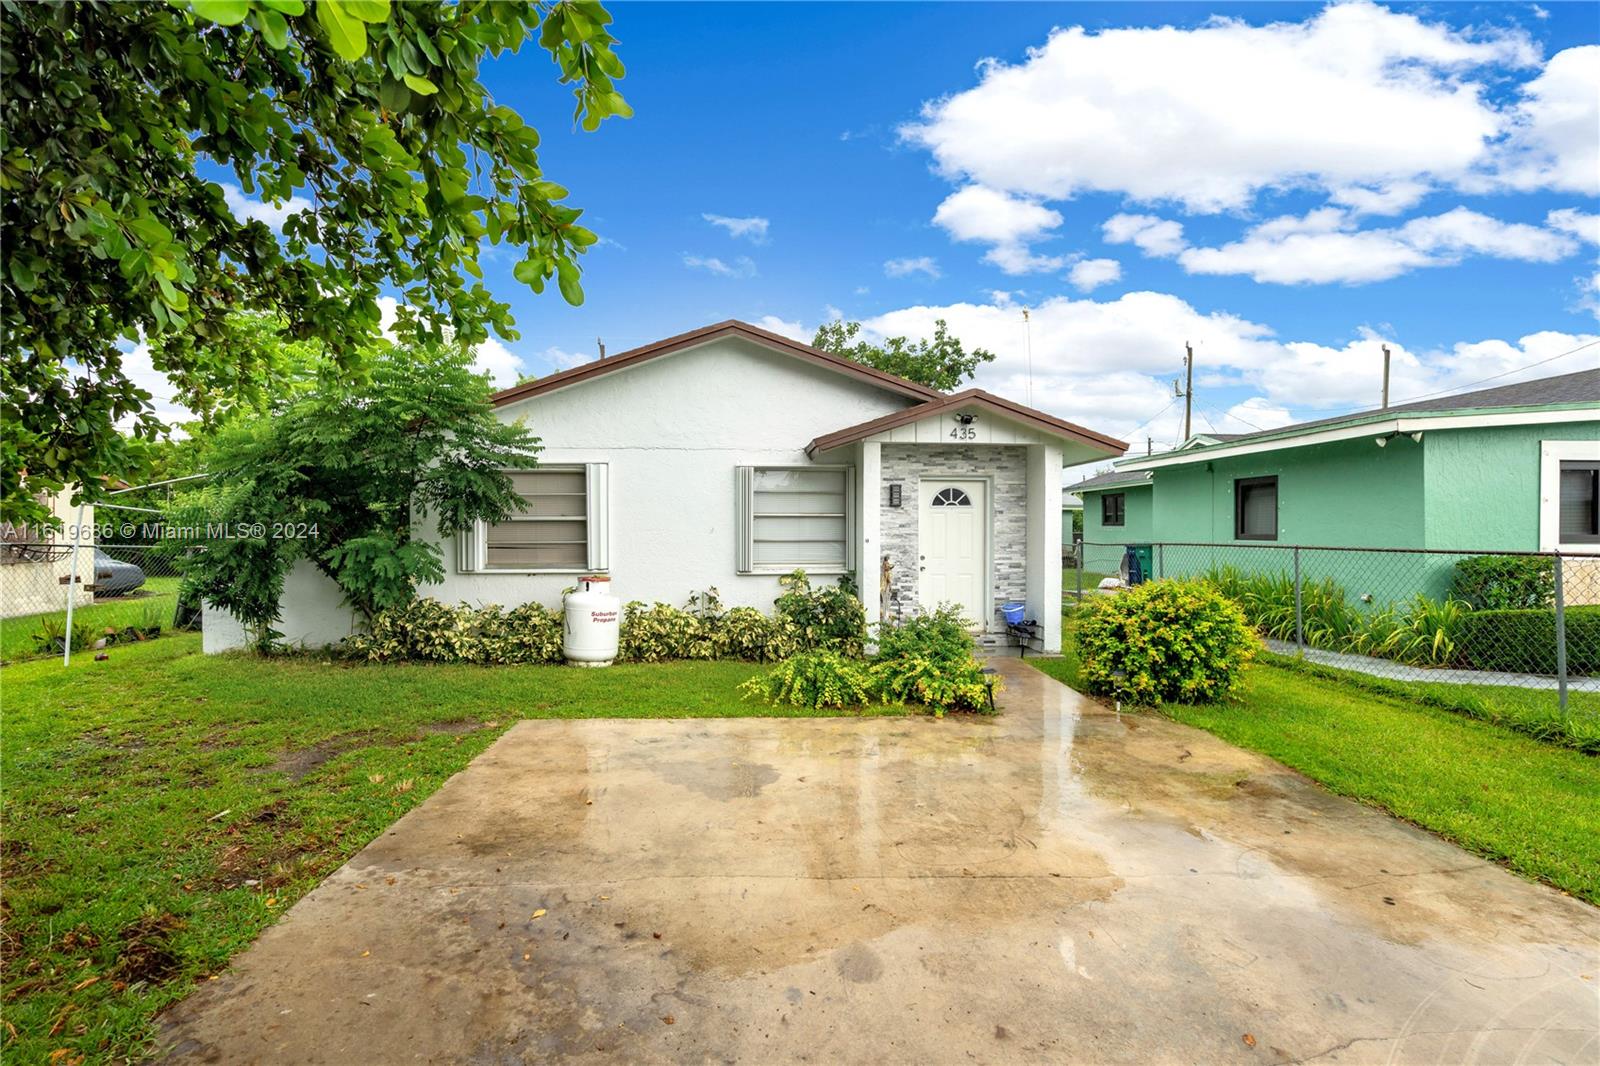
{"x":794,"y":517}
{"x":1579,"y":508}
{"x":561,"y":529}
{"x":1113,"y":509}
{"x":1255,"y":508}
{"x":1569,"y":486}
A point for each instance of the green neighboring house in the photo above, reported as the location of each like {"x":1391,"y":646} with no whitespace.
{"x":1510,"y":468}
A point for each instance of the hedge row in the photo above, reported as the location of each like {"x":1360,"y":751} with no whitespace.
{"x":1524,"y":641}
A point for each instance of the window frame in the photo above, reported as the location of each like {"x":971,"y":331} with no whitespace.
{"x":474,"y":543}
{"x":1239,"y":487}
{"x":1552,"y":455}
{"x":1592,"y":466}
{"x":746,"y":478}
{"x":1121,"y":510}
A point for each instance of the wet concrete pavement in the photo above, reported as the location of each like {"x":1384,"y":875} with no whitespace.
{"x":1058,"y":883}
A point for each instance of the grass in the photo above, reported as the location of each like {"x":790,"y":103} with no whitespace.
{"x":1069,"y":582}
{"x":163,"y":807}
{"x":1508,"y":797}
{"x":157,"y":596}
{"x":1535,"y":712}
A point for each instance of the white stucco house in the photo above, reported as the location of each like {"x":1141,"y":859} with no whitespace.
{"x":729,"y":456}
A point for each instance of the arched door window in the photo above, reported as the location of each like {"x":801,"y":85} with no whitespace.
{"x":952,"y":497}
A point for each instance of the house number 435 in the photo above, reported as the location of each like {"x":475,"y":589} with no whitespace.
{"x":964,"y":433}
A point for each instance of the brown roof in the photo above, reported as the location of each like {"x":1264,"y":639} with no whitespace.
{"x":732,"y":327}
{"x":970,"y":398}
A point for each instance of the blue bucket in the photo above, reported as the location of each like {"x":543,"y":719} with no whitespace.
{"x":1013,"y":612}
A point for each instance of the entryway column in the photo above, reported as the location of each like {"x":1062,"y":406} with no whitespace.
{"x":1044,"y":541}
{"x":869,"y":543}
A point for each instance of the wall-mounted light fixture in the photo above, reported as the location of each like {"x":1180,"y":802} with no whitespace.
{"x":966,"y":419}
{"x":1417,"y":436}
{"x":1383,"y":441}
{"x":894,"y":495}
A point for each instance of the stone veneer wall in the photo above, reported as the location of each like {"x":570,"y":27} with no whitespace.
{"x":1006,"y":467}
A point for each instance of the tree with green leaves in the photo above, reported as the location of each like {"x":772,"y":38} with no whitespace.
{"x":372,"y":113}
{"x":942,"y":363}
{"x":355,"y":481}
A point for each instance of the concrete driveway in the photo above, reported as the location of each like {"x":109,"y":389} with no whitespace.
{"x":1055,"y":884}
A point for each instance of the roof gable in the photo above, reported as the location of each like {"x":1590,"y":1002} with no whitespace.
{"x":694,"y":338}
{"x":971,"y":398}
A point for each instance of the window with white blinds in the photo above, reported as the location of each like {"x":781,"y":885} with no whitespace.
{"x":794,"y":517}
{"x":561,"y":529}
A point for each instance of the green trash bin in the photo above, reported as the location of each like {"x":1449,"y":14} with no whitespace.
{"x":1137,"y":564}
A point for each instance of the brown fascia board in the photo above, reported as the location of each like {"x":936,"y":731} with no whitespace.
{"x":1027,"y":415}
{"x":732,"y":327}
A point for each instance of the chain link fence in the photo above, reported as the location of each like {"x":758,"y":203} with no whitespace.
{"x":1519,"y":619}
{"x":120,"y":593}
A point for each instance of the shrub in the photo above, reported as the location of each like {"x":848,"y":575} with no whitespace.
{"x":1524,"y":641}
{"x":928,"y":659}
{"x":746,"y":633}
{"x":1177,"y":641}
{"x":429,"y":631}
{"x":829,"y":618}
{"x":1505,"y":582}
{"x":821,"y":680}
{"x":658,"y":632}
{"x":1421,"y":632}
{"x":51,"y":638}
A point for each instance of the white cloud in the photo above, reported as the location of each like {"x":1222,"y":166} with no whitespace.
{"x":1324,"y":246}
{"x":1109,"y":364}
{"x":1555,"y":139}
{"x":1009,"y":223}
{"x":1357,"y":96}
{"x":1087,"y":274}
{"x":247,"y":210}
{"x":502,"y":365}
{"x":787,"y":328}
{"x":1389,"y":198}
{"x":742,"y":267}
{"x":979,"y":214}
{"x":1250,"y":415}
{"x":753,"y":228}
{"x":561,"y":359}
{"x":1152,"y":235}
{"x":1572,"y":221}
{"x":922,"y":264}
{"x":1589,"y":294}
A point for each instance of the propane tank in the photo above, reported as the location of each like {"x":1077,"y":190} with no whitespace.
{"x":593,"y":622}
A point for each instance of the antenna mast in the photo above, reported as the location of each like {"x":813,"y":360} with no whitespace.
{"x":1027,"y":332}
{"x":1385,"y":377}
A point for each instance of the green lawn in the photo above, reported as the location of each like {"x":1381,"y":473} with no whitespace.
{"x":157,"y":598}
{"x":1069,"y":582}
{"x":1528,"y":804}
{"x":163,"y":807}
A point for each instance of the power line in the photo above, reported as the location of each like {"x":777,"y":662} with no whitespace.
{"x":1502,"y":374}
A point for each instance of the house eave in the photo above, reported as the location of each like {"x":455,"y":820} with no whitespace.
{"x":1366,"y":426}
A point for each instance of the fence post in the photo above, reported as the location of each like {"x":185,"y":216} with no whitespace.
{"x":72,"y":590}
{"x":1299,"y":618}
{"x":1561,"y":641}
{"x":1159,"y":553}
{"x":1078,"y":570}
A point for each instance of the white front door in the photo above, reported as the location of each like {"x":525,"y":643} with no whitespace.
{"x":953,"y":542}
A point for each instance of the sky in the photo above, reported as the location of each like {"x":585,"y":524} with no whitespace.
{"x":1286,"y":187}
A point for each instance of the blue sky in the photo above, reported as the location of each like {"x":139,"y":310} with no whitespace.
{"x":1287,"y":186}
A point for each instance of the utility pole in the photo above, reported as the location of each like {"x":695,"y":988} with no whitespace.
{"x":1385,"y":377}
{"x":602,"y":345}
{"x":1149,"y":445}
{"x":1188,"y":386}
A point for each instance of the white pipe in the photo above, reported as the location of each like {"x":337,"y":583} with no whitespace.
{"x":72,"y":590}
